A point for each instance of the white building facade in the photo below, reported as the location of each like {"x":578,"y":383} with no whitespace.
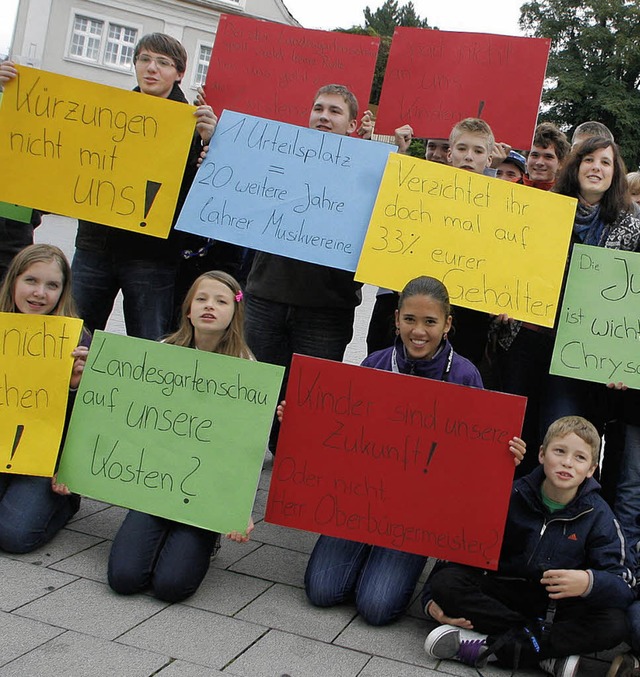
{"x":94,"y":39}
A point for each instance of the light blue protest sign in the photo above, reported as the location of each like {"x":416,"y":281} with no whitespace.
{"x":286,"y":190}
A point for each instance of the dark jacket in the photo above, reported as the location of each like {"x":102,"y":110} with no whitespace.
{"x":128,"y":245}
{"x":583,"y":535}
{"x":462,"y":371}
{"x":299,"y":283}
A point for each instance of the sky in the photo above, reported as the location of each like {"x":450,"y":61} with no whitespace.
{"x":487,"y":16}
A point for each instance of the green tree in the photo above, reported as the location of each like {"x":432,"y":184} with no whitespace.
{"x":381,"y":23}
{"x":594,"y":65}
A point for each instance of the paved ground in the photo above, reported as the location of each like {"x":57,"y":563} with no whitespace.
{"x":249,"y":618}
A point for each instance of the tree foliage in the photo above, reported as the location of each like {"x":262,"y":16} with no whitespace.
{"x":594,"y":65}
{"x":381,"y":23}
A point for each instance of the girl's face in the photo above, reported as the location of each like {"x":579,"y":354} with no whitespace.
{"x":212,"y":308}
{"x":422,"y":324}
{"x":595,"y":174}
{"x":38,"y":288}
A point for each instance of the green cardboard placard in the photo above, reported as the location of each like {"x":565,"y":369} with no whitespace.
{"x":170,"y":431}
{"x":598,"y":335}
{"x":15,"y":212}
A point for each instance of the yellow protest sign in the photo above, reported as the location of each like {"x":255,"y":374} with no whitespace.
{"x":499,"y":247}
{"x":93,"y":152}
{"x":35,"y":367}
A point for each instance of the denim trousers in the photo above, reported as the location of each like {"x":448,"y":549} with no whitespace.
{"x":147,"y":290}
{"x":627,"y":501}
{"x":31,"y":514}
{"x":275,"y":331}
{"x":155,"y":553}
{"x":381,"y":580}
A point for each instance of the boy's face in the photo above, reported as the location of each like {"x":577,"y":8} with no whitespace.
{"x":471,"y":152}
{"x":507,"y":171}
{"x":567,"y":462}
{"x":156,"y":73}
{"x":330,"y":113}
{"x":543,"y":164}
{"x":437,"y":151}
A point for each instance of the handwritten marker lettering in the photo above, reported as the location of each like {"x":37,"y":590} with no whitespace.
{"x":16,"y":441}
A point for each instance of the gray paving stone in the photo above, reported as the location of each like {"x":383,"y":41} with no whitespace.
{"x":20,"y":635}
{"x":103,"y":524}
{"x":230,"y":553}
{"x":286,"y":608}
{"x":21,"y":583}
{"x":66,"y":544}
{"x":281,"y":653}
{"x":383,"y":667}
{"x":194,"y":635}
{"x":401,"y":641}
{"x":283,"y":537}
{"x":184,"y":669}
{"x":260,"y":505}
{"x":225,"y":592}
{"x":265,"y":475}
{"x":274,"y":564}
{"x":88,"y":506}
{"x":92,"y":608}
{"x":90,"y":563}
{"x":73,"y":654}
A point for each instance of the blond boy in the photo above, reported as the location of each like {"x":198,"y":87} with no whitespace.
{"x":563,"y":580}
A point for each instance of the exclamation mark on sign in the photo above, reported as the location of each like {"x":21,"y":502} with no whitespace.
{"x":16,"y":441}
{"x":432,"y":451}
{"x":150,"y":195}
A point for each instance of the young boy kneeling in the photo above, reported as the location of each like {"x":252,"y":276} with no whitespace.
{"x":564,"y":576}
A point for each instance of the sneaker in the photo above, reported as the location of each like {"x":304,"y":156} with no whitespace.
{"x":623,"y":665}
{"x":449,"y":641}
{"x":561,"y":667}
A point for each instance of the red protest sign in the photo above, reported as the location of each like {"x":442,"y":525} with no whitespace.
{"x":436,"y":78}
{"x":393,"y":460}
{"x":273,"y":71}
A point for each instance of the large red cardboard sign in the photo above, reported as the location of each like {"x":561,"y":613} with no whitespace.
{"x":273,"y":71}
{"x":436,"y":78}
{"x":393,"y":460}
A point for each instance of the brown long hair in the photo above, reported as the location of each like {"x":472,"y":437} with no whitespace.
{"x":617,"y":198}
{"x":38,"y":253}
{"x":232,"y":342}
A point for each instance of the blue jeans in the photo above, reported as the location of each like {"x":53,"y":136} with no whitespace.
{"x":275,"y":331}
{"x":627,"y":501}
{"x":31,"y":514}
{"x":155,"y":553}
{"x":147,"y":290}
{"x":381,"y":580}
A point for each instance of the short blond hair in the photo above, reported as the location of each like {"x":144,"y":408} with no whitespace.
{"x":472,"y":126}
{"x":633,"y":181}
{"x":584,"y":429}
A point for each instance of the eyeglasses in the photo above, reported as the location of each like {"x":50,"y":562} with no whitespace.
{"x":159,"y":61}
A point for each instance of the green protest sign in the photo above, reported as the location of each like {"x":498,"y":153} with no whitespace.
{"x":15,"y":212}
{"x":598,"y":335}
{"x":170,"y":431}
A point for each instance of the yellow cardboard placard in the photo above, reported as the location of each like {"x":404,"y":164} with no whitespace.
{"x":499,"y":247}
{"x":35,"y":367}
{"x":93,"y":152}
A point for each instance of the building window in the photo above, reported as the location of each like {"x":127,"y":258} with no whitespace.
{"x":202,"y":65}
{"x":86,"y":37}
{"x":121,"y":42}
{"x":102,"y":42}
